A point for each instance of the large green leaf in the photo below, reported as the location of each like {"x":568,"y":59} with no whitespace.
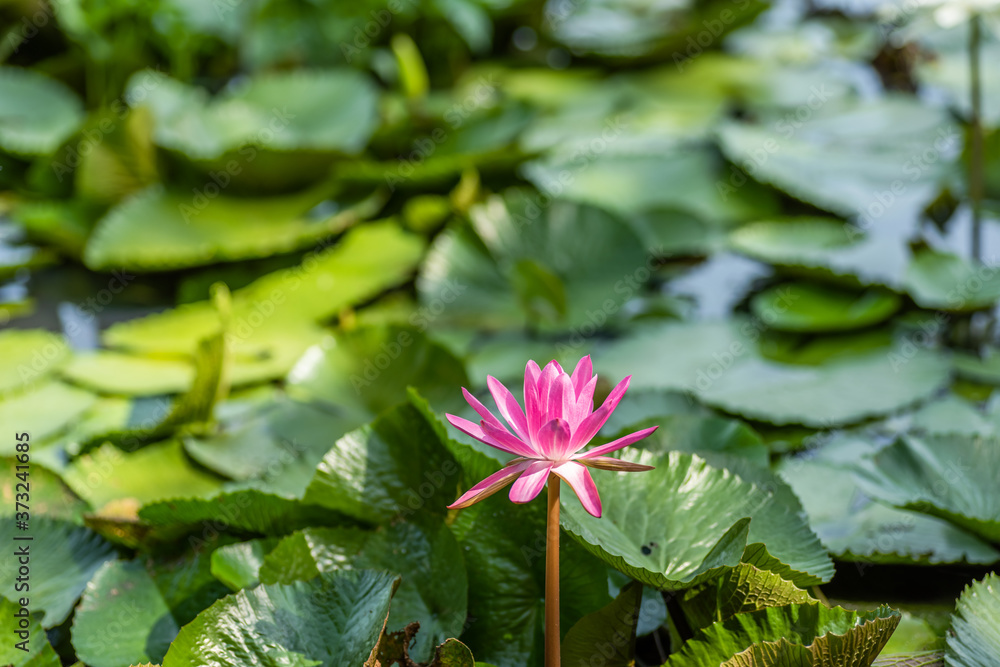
{"x":742,"y":589}
{"x":652,"y":542}
{"x":855,"y":528}
{"x":397,"y":465}
{"x":159,"y":599}
{"x":825,"y":248}
{"x":28,"y":356}
{"x":63,"y":558}
{"x":332,"y":620}
{"x":36,"y":113}
{"x":238,"y":565}
{"x":151,"y":474}
{"x":332,"y":110}
{"x":109,"y":372}
{"x":247,"y":510}
{"x":608,"y":632}
{"x":715,"y":439}
{"x":863,"y":158}
{"x":719,"y":363}
{"x":557,"y":265}
{"x":801,"y":635}
{"x":49,"y":494}
{"x":277,"y":446}
{"x":367,"y":370}
{"x":434,"y":588}
{"x":808,"y":307}
{"x":974,"y":640}
{"x":38,"y":652}
{"x":364,"y":262}
{"x":631,"y":182}
{"x":952,"y":477}
{"x":160,"y":230}
{"x":32,"y":411}
{"x":948,"y":282}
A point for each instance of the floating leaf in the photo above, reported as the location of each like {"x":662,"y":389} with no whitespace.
{"x":651,"y":543}
{"x":37,"y":114}
{"x":808,"y":307}
{"x":160,"y":230}
{"x":974,"y":640}
{"x":364,"y":262}
{"x":28,"y":356}
{"x":31,"y":412}
{"x":797,"y":635}
{"x":952,"y":477}
{"x":109,"y":372}
{"x":332,"y":620}
{"x":247,"y":510}
{"x":38,"y":652}
{"x":367,"y":370}
{"x":154,"y":600}
{"x":942,"y":281}
{"x":154,"y":473}
{"x":434,"y":589}
{"x":49,"y":494}
{"x":591,"y":263}
{"x":397,"y":465}
{"x":63,"y":557}
{"x":865,"y":159}
{"x":608,"y":632}
{"x":238,"y":565}
{"x":855,"y":528}
{"x":742,"y":589}
{"x":332,"y":110}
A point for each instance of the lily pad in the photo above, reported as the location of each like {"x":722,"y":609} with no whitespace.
{"x":332,"y":620}
{"x":29,"y":356}
{"x":941,"y":281}
{"x":156,"y":600}
{"x":397,"y":465}
{"x":609,"y":632}
{"x":974,"y":640}
{"x":64,"y":557}
{"x":109,"y":372}
{"x":650,"y":543}
{"x":151,"y":474}
{"x":434,"y":589}
{"x":238,"y":565}
{"x":31,"y":412}
{"x":853,"y":160}
{"x":38,"y":653}
{"x":951,"y":477}
{"x":557,"y":265}
{"x":367,"y":370}
{"x":808,"y":307}
{"x":797,"y":635}
{"x":162,"y":230}
{"x":856,"y":528}
{"x":364,"y":262}
{"x":332,"y":110}
{"x":37,"y":114}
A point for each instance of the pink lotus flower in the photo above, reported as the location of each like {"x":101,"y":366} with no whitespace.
{"x":559,"y":420}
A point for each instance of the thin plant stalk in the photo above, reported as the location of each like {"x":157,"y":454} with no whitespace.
{"x":976,"y":161}
{"x":552,"y":576}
